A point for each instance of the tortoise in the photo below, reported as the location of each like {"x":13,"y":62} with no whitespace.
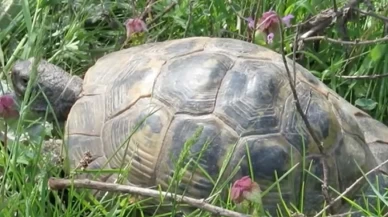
{"x":140,"y":107}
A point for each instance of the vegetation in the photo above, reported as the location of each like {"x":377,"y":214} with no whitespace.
{"x":73,"y":34}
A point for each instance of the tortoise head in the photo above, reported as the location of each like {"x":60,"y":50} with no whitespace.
{"x":52,"y":86}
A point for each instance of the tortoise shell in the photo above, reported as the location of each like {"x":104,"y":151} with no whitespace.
{"x":227,"y":105}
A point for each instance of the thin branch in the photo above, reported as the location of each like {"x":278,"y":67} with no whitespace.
{"x":255,"y":16}
{"x":361,"y":77}
{"x":188,"y":23}
{"x":59,"y":184}
{"x":321,"y":21}
{"x":325,"y":172}
{"x":294,"y":46}
{"x":294,"y":93}
{"x":353,"y":3}
{"x":369,"y":5}
{"x":300,"y":111}
{"x":327,"y":17}
{"x":372,"y":14}
{"x":350,"y":188}
{"x":168,"y":8}
{"x":342,"y":22}
{"x":355,"y":42}
{"x":345,"y":214}
{"x":147,"y":9}
{"x":356,"y":3}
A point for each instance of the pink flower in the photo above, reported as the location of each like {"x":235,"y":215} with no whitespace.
{"x":269,"y":24}
{"x":239,"y":187}
{"x":8,"y":107}
{"x":134,"y":26}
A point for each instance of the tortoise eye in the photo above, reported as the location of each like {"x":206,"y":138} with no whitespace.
{"x":24,"y":81}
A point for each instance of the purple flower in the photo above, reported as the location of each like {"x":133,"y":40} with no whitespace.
{"x":251,"y":22}
{"x":269,"y":24}
{"x":8,"y":107}
{"x":287,"y":19}
{"x":134,"y":26}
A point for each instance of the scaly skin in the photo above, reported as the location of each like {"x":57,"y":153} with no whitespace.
{"x":60,"y":88}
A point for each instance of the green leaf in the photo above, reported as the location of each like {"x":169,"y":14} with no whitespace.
{"x":2,"y":62}
{"x":306,"y":5}
{"x":377,"y":52}
{"x":254,"y":195}
{"x":23,"y":160}
{"x":366,"y":104}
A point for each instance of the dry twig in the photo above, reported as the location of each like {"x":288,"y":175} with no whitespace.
{"x":361,"y":77}
{"x":346,"y":15}
{"x":188,"y":23}
{"x":59,"y":184}
{"x":350,"y":188}
{"x":355,"y":42}
{"x":315,"y":26}
{"x":320,"y":22}
{"x":327,"y":21}
{"x":294,"y":93}
{"x":147,"y":9}
{"x":300,"y":111}
{"x":169,"y":8}
{"x":355,"y":3}
{"x":372,"y":14}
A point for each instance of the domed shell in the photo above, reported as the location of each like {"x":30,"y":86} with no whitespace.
{"x":142,"y":107}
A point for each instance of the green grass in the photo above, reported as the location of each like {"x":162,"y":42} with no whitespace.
{"x":73,"y":34}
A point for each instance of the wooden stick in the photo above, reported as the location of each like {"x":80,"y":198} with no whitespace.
{"x":58,"y":184}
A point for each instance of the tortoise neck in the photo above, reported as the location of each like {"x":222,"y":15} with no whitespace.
{"x":67,"y":97}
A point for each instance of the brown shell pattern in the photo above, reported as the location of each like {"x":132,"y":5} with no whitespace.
{"x":140,"y":106}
